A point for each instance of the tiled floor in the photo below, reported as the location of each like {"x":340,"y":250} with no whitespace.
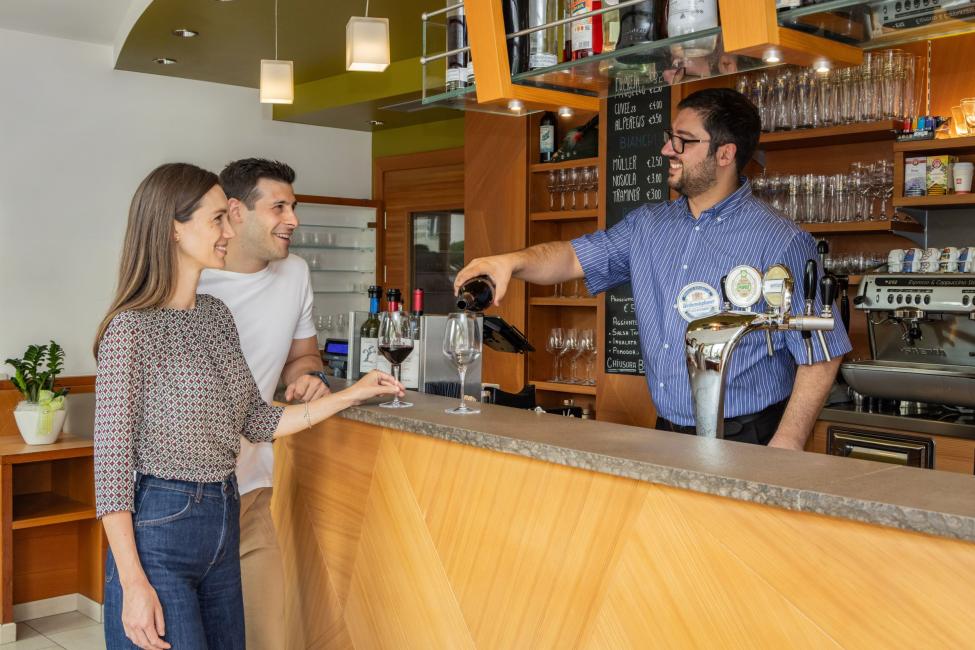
{"x":72,"y":631}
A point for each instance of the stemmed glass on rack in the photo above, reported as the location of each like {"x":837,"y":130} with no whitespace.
{"x":462,"y":347}
{"x":395,"y":342}
{"x":554,"y":344}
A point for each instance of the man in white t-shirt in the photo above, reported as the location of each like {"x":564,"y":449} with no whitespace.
{"x":269,"y":293}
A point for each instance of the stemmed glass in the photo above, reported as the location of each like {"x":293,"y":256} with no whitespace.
{"x":564,"y":183}
{"x":395,"y":343}
{"x":586,"y":347}
{"x":462,"y":347}
{"x":585,"y":185}
{"x":340,"y":321}
{"x":595,"y":186}
{"x":553,"y":186}
{"x":574,"y":185}
{"x":554,"y":347}
{"x":569,"y":344}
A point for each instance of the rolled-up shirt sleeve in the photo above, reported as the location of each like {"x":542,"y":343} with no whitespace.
{"x":800,"y":249}
{"x":605,"y":254}
{"x":118,"y":413}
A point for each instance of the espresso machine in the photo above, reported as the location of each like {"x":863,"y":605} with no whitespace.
{"x":921,"y":328}
{"x":712,"y":334}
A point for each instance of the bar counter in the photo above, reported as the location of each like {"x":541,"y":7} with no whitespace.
{"x":415,"y":528}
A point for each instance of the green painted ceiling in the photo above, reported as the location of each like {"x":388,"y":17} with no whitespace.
{"x":235,"y":35}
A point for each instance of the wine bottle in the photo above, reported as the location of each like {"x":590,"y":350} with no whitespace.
{"x":417,"y":303}
{"x":689,"y":16}
{"x":515,"y":13}
{"x":476,"y":295}
{"x":587,"y":33}
{"x":547,"y":137}
{"x":639,"y":23}
{"x":543,"y":46}
{"x":456,"y":37}
{"x":369,"y":333}
{"x":394,"y":300}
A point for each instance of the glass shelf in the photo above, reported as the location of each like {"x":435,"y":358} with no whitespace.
{"x":343,"y":292}
{"x":330,"y":226}
{"x":335,"y":248}
{"x":875,"y":24}
{"x":342,"y":271}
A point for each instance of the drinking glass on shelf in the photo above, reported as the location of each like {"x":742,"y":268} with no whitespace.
{"x":587,"y":345}
{"x":552,"y":184}
{"x":968,"y":110}
{"x":958,"y":122}
{"x":575,"y":183}
{"x":553,"y":345}
{"x":585,"y":184}
{"x":595,"y":185}
{"x":564,"y":183}
{"x":570,"y":343}
{"x":328,"y":323}
{"x":340,"y":320}
{"x":395,"y":343}
{"x":462,"y":347}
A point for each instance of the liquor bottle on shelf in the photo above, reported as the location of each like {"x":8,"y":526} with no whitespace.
{"x":543,"y":46}
{"x":587,"y":33}
{"x":515,"y":14}
{"x":689,"y":16}
{"x":547,"y":137}
{"x":786,"y":5}
{"x":417,"y":312}
{"x":566,"y":35}
{"x":640,"y":23}
{"x":369,"y":333}
{"x":611,"y":26}
{"x":476,"y":295}
{"x":456,"y":39}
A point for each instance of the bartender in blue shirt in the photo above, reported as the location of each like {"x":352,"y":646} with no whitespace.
{"x":662,"y":248}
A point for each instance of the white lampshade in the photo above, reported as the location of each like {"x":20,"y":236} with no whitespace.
{"x":277,"y":82}
{"x":367,"y":44}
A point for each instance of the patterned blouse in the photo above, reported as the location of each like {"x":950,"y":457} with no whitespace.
{"x":173,"y":395}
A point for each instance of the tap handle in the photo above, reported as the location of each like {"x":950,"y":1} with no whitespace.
{"x":809,"y":282}
{"x":822,"y":249}
{"x":725,"y":303}
{"x":827,"y":290}
{"x":845,"y":310}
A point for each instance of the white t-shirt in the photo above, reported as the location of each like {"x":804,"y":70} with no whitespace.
{"x":271,"y":308}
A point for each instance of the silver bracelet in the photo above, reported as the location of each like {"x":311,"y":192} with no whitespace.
{"x":307,"y":416}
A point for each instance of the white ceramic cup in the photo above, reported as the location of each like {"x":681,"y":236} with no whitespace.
{"x":963,"y":177}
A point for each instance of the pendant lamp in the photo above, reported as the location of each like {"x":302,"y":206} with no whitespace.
{"x":367,"y":43}
{"x":277,"y":77}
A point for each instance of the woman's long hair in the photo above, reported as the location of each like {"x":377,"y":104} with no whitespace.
{"x":147,"y":272}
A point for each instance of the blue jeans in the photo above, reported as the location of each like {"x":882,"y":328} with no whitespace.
{"x":188,"y":538}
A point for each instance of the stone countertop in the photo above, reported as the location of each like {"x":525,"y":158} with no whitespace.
{"x":927,"y":501}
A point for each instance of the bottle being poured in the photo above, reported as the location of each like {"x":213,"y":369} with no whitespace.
{"x":476,"y":295}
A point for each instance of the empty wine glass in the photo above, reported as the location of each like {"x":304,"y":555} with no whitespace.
{"x":585,"y":185}
{"x":574,"y":184}
{"x":595,"y":185}
{"x":587,"y":354}
{"x":462,"y":347}
{"x":340,"y":321}
{"x":553,"y":346}
{"x":553,"y":185}
{"x":564,"y":184}
{"x":395,"y":343}
{"x":569,"y":345}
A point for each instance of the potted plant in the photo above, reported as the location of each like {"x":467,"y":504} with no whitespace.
{"x":40,"y":415}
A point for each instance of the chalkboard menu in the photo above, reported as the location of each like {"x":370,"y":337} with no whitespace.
{"x":636,"y":173}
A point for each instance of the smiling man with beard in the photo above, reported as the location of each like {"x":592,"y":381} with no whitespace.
{"x":269,"y":294}
{"x":663,"y":248}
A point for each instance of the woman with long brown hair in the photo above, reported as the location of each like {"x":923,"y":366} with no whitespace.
{"x":173,"y":396}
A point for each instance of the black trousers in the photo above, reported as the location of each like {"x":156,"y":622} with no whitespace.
{"x":757,"y":428}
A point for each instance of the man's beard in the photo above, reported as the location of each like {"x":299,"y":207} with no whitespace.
{"x":696,"y":180}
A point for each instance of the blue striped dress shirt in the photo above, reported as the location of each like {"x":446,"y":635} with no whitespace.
{"x":660,"y":248}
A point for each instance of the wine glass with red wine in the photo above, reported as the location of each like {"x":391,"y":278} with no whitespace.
{"x":395,"y":343}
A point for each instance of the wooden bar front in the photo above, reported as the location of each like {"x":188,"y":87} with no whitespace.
{"x":398,"y":540}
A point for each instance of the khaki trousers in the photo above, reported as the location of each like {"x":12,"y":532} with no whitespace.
{"x":261,"y":573}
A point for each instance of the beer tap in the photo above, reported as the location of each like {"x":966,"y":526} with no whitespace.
{"x":841,"y":283}
{"x":809,"y":291}
{"x":827,"y":293}
{"x":711,"y":340}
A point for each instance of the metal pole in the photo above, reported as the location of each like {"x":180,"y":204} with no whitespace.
{"x":433,"y":57}
{"x":427,"y":15}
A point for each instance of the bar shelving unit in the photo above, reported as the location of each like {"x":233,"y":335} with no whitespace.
{"x":963,"y":147}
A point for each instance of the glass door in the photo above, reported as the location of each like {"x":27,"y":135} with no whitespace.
{"x":437,"y":254}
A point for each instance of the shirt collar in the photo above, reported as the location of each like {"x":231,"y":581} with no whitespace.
{"x":724,"y":208}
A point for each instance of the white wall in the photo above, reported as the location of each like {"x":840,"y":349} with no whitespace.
{"x":77,"y":137}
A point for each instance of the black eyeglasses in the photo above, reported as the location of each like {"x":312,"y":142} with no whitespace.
{"x":678,"y":142}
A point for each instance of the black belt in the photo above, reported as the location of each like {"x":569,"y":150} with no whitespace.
{"x":763,"y":424}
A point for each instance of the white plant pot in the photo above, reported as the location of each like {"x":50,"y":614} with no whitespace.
{"x":28,"y":418}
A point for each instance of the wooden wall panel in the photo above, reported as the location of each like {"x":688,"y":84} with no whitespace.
{"x":458,"y":546}
{"x":495,"y":220}
{"x":46,"y":562}
{"x":406,"y":184}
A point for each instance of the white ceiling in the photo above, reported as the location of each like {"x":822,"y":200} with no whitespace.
{"x":92,"y":21}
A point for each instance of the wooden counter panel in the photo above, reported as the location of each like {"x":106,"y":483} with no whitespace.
{"x":393,"y":539}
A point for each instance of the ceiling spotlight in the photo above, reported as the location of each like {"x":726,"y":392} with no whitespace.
{"x":164,"y":60}
{"x":376,"y":123}
{"x":822,"y":66}
{"x":516,"y":105}
{"x":772,"y":56}
{"x":182,"y":32}
{"x":565,"y":111}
